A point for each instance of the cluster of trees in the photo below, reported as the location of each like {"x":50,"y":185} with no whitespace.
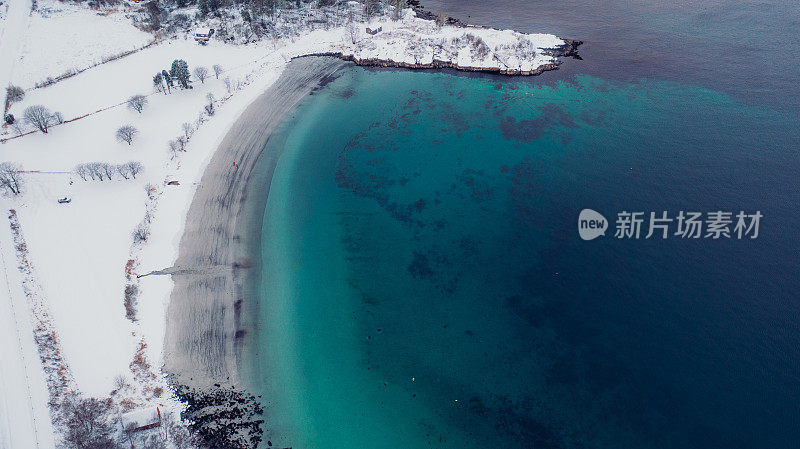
{"x":178,"y":73}
{"x":90,"y":423}
{"x":39,"y":117}
{"x":101,"y":171}
{"x":87,"y":423}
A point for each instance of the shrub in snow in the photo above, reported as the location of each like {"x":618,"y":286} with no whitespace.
{"x":11,"y":178}
{"x":180,"y":71}
{"x":132,"y":294}
{"x":126,"y":134}
{"x":217,"y":70}
{"x":210,"y":106}
{"x":441,"y":18}
{"x":201,"y":73}
{"x":14,"y":94}
{"x":137,"y":102}
{"x":140,"y":234}
{"x":478,"y":47}
{"x":39,"y":116}
{"x":187,"y":129}
{"x":57,"y":118}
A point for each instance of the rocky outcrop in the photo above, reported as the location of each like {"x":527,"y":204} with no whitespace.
{"x":438,"y":64}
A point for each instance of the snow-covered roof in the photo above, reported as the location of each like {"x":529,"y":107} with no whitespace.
{"x":202,"y":30}
{"x":140,"y":418}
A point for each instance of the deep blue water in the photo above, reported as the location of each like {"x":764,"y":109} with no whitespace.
{"x":425,"y":284}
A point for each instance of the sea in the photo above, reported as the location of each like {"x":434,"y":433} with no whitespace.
{"x":424,"y":282}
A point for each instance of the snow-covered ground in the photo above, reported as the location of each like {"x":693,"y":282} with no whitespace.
{"x":79,"y":251}
{"x":24,"y":417}
{"x":55,"y":40}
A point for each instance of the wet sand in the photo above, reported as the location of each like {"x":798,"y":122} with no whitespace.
{"x":211,"y":315}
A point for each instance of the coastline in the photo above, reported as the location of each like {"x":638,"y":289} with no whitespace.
{"x":207,"y":318}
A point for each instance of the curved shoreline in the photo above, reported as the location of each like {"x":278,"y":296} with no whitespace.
{"x":206,"y":326}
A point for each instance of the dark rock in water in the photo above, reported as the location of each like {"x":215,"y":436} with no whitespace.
{"x":568,"y":49}
{"x":223,"y":417}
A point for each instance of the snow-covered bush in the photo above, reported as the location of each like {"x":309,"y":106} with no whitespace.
{"x":141,"y":233}
{"x":477,"y":46}
{"x":14,"y":94}
{"x":132,"y":290}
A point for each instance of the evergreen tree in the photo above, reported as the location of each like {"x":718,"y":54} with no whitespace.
{"x":168,"y":79}
{"x":158,"y":82}
{"x":180,"y":71}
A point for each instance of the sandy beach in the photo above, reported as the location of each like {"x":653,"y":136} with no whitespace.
{"x":208,"y":319}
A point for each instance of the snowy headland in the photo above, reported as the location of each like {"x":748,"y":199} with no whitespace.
{"x":90,"y":208}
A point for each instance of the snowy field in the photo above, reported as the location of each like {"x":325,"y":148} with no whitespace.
{"x":79,"y":251}
{"x":56,"y":38}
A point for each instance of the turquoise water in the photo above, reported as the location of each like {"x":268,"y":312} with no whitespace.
{"x":424,"y":284}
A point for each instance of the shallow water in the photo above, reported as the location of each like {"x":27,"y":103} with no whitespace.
{"x":424,"y":284}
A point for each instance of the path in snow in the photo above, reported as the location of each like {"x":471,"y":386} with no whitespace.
{"x":24,"y":417}
{"x":13,"y":27}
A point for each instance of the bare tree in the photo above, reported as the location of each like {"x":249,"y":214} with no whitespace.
{"x":137,"y":103}
{"x":134,"y":168}
{"x":95,"y":170}
{"x":201,"y":73}
{"x":217,"y":70}
{"x":371,"y":7}
{"x":38,"y":116}
{"x":82,"y":170}
{"x":174,"y":148}
{"x":399,"y":6}
{"x":351,"y":28}
{"x":181,"y":141}
{"x":11,"y":177}
{"x":228,"y":83}
{"x":109,"y":170}
{"x":126,"y":134}
{"x":87,"y":423}
{"x":187,"y":129}
{"x":14,"y":94}
{"x":124,"y":171}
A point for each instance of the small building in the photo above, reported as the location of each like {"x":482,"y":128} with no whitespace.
{"x":203,"y":34}
{"x":141,"y":419}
